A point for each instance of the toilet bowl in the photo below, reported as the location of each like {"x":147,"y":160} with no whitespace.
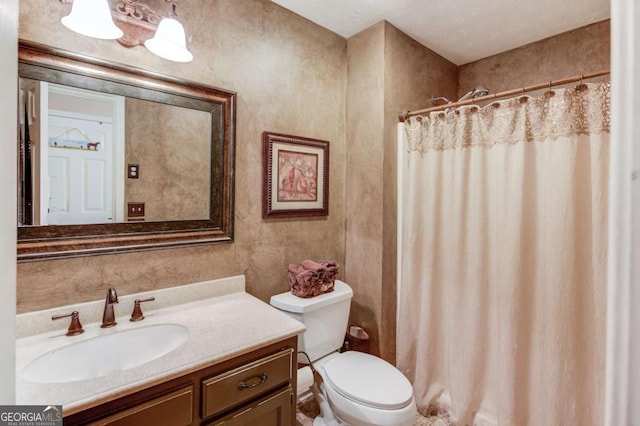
{"x":357,"y":389}
{"x":362,"y":389}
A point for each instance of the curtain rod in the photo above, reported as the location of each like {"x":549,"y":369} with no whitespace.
{"x":405,"y":115}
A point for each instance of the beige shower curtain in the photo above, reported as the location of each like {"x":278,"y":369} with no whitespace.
{"x":503,"y":293}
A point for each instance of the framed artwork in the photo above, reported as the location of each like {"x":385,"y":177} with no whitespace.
{"x":296,"y":176}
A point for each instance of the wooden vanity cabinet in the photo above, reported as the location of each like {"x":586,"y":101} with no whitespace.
{"x":257,"y":389}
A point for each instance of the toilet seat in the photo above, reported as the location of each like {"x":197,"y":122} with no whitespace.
{"x":368,"y":380}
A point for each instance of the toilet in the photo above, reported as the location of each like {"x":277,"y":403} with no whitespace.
{"x":357,"y":389}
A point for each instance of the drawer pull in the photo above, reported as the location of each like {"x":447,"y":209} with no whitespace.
{"x":258,"y":380}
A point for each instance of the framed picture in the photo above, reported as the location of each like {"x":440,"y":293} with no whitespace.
{"x":296,"y":176}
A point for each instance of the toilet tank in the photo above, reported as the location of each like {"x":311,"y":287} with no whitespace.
{"x":325,"y":317}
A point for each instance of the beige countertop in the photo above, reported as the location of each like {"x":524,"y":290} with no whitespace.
{"x":220,"y":328}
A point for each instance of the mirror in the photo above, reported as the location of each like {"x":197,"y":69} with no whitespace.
{"x":114,"y":158}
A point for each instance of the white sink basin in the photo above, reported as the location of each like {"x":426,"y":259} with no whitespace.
{"x":106,"y":354}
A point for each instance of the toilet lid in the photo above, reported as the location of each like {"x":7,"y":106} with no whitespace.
{"x":368,"y":380}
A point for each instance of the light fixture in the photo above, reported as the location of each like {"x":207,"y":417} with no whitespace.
{"x":137,"y":24}
{"x":169,"y":41}
{"x":93,"y":19}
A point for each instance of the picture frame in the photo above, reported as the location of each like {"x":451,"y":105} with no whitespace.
{"x":295,"y":176}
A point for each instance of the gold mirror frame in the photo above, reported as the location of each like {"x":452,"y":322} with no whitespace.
{"x":63,"y":67}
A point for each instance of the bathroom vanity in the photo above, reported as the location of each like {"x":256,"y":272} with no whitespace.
{"x":237,"y":365}
{"x":256,"y":385}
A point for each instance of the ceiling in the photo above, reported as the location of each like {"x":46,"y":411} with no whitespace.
{"x":460,"y":30}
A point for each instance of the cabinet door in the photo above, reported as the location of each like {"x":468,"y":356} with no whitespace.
{"x":172,"y":409}
{"x":273,"y":410}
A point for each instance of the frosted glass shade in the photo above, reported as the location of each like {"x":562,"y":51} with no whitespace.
{"x":169,"y":41}
{"x":92,"y":18}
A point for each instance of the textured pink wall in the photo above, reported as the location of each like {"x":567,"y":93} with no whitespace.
{"x":271,"y":58}
{"x":388,"y":72}
{"x":171,"y":146}
{"x":365,"y":119}
{"x":580,"y":51}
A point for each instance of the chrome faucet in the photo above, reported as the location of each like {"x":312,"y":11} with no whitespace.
{"x":109,"y":317}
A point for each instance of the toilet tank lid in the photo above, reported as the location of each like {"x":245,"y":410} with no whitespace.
{"x":289,"y":303}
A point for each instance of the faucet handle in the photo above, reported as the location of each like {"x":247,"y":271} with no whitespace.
{"x":75,"y":327}
{"x":136,"y":315}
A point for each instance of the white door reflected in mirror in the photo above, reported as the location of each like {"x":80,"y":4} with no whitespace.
{"x":77,"y":145}
{"x":81,"y":171}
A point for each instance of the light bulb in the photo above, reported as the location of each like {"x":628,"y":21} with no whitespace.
{"x":169,"y":41}
{"x":92,"y":18}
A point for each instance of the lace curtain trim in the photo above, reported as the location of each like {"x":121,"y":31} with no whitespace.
{"x":583,"y":109}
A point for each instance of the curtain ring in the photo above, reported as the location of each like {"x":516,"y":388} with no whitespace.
{"x":522,"y":96}
{"x":550,"y":93}
{"x":581,"y":86}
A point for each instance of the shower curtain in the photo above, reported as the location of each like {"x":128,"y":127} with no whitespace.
{"x":501,"y":313}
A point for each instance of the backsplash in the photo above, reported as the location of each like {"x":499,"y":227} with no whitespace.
{"x":38,"y":322}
